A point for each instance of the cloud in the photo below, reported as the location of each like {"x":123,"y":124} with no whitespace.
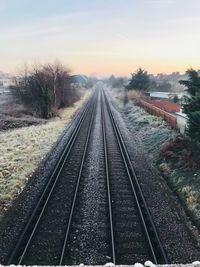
{"x":57,"y":24}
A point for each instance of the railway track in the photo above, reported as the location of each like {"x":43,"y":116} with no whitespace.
{"x":123,"y":232}
{"x":133,"y":234}
{"x":44,"y":237}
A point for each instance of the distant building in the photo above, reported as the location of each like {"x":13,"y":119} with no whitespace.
{"x":6,"y":80}
{"x":80,"y":80}
{"x":163,"y":95}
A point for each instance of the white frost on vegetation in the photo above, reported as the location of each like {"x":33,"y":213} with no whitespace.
{"x":140,"y":116}
{"x":196,"y":263}
{"x":21,"y":150}
{"x":109,"y":264}
{"x":151,"y":132}
{"x":137,"y":264}
{"x":149,"y":264}
{"x":137,"y":114}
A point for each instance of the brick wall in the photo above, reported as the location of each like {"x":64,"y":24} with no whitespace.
{"x":165,"y":105}
{"x":170,"y":119}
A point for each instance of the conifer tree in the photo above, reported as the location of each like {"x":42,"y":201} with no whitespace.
{"x":191,"y":105}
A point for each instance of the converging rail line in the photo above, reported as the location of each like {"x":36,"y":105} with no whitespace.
{"x":128,"y":230}
{"x":40,"y":231}
{"x":133,"y":233}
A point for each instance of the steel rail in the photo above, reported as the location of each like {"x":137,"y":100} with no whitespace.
{"x":132,"y":177}
{"x":158,"y":241}
{"x":53,"y":179}
{"x":133,"y":190}
{"x":108,"y":181}
{"x":77,"y":187}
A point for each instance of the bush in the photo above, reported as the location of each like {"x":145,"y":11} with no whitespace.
{"x":44,"y":89}
{"x":139,"y":81}
{"x":183,"y":152}
{"x":190,"y":196}
{"x":193,"y":128}
{"x":164,"y":168}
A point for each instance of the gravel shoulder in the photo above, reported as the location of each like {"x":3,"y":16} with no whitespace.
{"x":178,"y":235}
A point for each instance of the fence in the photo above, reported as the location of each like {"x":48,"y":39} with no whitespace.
{"x":165,"y":105}
{"x":170,"y":119}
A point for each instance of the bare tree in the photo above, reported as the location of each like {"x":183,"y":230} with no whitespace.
{"x":44,"y":89}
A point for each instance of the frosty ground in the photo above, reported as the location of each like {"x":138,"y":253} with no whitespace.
{"x":21,"y":151}
{"x":153,"y":134}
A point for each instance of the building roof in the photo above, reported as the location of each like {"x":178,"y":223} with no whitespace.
{"x":165,"y":94}
{"x":81,"y":79}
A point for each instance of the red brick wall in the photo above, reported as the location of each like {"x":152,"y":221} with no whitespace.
{"x":165,"y":105}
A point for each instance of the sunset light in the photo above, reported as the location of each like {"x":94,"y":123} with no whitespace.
{"x":101,"y":37}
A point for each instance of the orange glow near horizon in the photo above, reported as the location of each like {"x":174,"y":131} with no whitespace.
{"x":111,"y":67}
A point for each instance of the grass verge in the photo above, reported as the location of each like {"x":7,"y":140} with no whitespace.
{"x":21,"y":150}
{"x":179,"y":163}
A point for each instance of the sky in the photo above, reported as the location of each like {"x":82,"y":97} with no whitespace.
{"x":101,"y":37}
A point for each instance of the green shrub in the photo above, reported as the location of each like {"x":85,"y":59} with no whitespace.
{"x":191,"y":105}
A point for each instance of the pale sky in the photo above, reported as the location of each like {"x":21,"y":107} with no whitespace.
{"x":101,"y":36}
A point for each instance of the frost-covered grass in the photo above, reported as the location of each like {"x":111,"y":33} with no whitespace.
{"x":151,"y":130}
{"x":21,"y":150}
{"x":141,"y":117}
{"x":180,"y":164}
{"x":186,"y":184}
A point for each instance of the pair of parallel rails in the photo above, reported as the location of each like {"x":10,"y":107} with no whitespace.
{"x":152,"y":245}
